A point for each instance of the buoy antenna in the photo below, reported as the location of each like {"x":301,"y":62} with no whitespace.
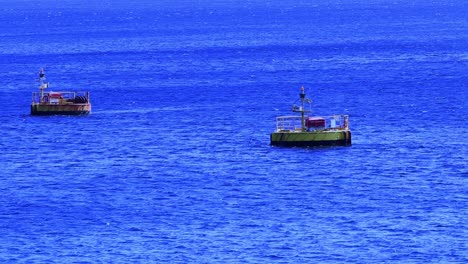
{"x":44,"y":84}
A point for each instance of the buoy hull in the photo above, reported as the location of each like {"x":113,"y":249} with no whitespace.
{"x":311,"y":139}
{"x":70,"y":109}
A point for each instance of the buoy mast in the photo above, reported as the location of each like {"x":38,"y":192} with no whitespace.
{"x":43,"y":83}
{"x":301,"y":108}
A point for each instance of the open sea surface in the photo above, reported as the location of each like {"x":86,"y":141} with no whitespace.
{"x":174,"y":163}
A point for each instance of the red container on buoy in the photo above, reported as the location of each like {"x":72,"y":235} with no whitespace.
{"x":315,"y":122}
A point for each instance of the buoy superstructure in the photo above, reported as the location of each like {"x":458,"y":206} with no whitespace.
{"x":58,"y":102}
{"x":305,"y":130}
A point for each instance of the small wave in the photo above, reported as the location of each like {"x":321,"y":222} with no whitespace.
{"x":142,"y":110}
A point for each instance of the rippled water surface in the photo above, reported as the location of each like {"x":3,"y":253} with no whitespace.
{"x":174,"y":163}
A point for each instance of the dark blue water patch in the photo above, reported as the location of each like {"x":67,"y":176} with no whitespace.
{"x":174,"y":163}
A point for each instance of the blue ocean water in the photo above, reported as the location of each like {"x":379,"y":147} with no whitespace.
{"x":174,"y":163}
